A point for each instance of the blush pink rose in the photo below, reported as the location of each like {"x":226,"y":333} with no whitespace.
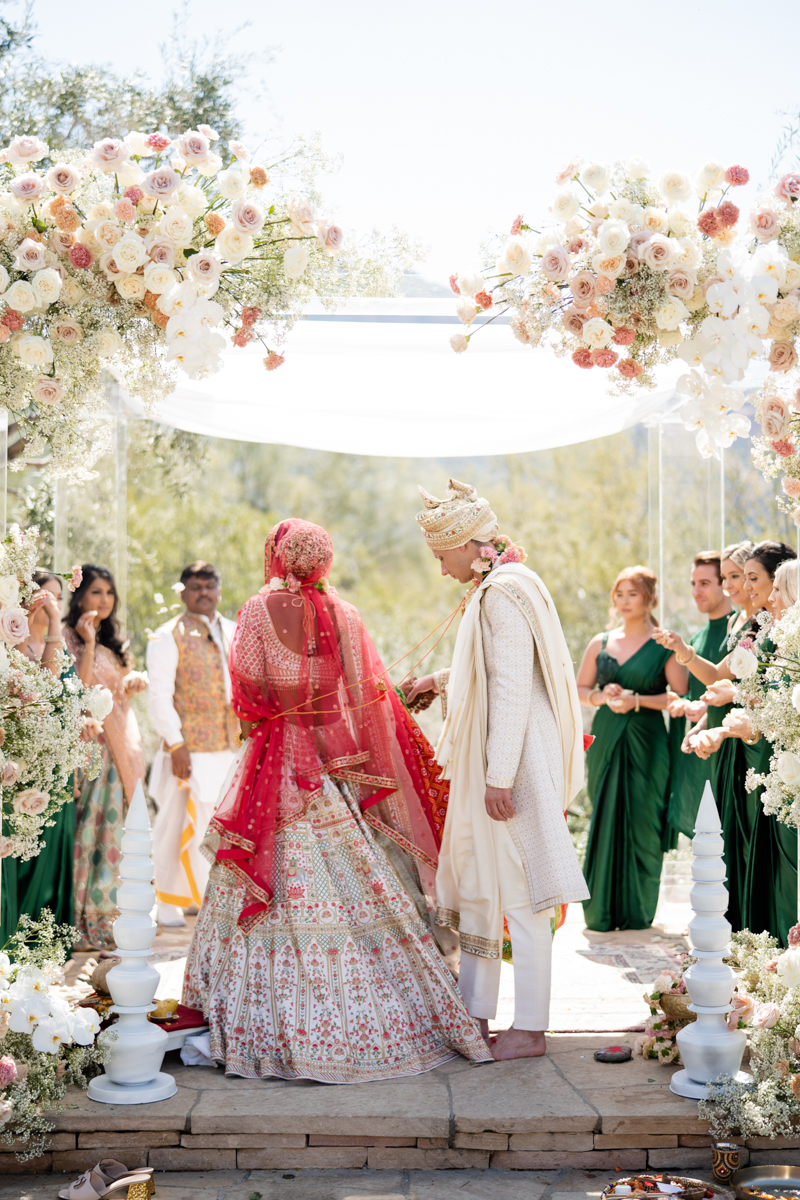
{"x":31,"y":802}
{"x":765,"y":1016}
{"x":63,"y":178}
{"x":28,"y":188}
{"x":161,"y":183}
{"x":638,"y":239}
{"x":555,"y":264}
{"x":76,"y":579}
{"x":775,"y":418}
{"x":46,"y":390}
{"x":249,"y":218}
{"x":629,"y":368}
{"x":782,"y":356}
{"x":764,"y":224}
{"x":584,"y":289}
{"x":14,"y":623}
{"x":788,"y":187}
{"x":331,"y":238}
{"x":11,"y":773}
{"x":194,"y":147}
{"x":568,"y":171}
{"x":111,"y":155}
{"x":574,"y":320}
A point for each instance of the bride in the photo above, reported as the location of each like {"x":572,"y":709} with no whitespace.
{"x":310,"y":958}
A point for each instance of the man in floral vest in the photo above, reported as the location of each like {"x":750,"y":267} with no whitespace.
{"x":190,"y":693}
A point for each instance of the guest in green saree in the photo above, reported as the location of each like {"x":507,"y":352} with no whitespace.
{"x":626,"y":675}
{"x":760,"y":852}
{"x":690,"y":773}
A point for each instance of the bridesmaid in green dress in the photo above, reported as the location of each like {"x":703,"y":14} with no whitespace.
{"x":44,"y":881}
{"x":626,"y":675}
{"x":760,"y":852}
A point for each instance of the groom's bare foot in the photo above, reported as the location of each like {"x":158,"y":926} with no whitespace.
{"x":519,"y":1043}
{"x":484,"y":1024}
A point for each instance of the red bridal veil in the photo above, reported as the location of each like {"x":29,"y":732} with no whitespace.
{"x":305,"y":674}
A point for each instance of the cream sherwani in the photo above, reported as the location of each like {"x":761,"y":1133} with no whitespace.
{"x":185,"y":807}
{"x":513,"y":721}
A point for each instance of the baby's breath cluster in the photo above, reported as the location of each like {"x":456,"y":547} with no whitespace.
{"x":147,"y":255}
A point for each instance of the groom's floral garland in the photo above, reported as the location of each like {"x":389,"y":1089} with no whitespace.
{"x":146,"y":255}
{"x":632,"y":273}
{"x":496,"y":553}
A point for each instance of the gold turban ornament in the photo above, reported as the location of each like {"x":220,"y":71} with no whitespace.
{"x":460,"y":518}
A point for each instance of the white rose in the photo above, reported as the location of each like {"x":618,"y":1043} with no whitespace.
{"x":100,"y":212}
{"x":595,"y":176}
{"x":138,"y":143}
{"x":295,"y":261}
{"x":655,"y":219}
{"x":516,"y":256}
{"x":129,"y":252}
{"x":466,"y":310}
{"x":21,"y":297}
{"x":796,"y":697}
{"x":597,"y":333}
{"x":209,"y":165}
{"x":233,"y":246}
{"x":792,"y":276}
{"x":675,"y":186}
{"x":71,"y":291}
{"x":611,"y":265}
{"x":613,"y":237}
{"x":29,"y":255}
{"x":9,"y":591}
{"x":130,"y":174}
{"x":565,"y":204}
{"x":5,"y":278}
{"x":743,"y":663}
{"x":686,"y":253}
{"x":131,"y":287}
{"x":107,"y":343}
{"x":636,"y":168}
{"x":192,"y":200}
{"x":100,"y":702}
{"x":34,"y":350}
{"x":788,"y":968}
{"x":680,"y":222}
{"x":623,"y":210}
{"x":787,"y":765}
{"x":46,"y":285}
{"x":469,"y":282}
{"x":232,"y":184}
{"x":670,"y":314}
{"x":711,"y":175}
{"x":302,"y":218}
{"x":158,"y":278}
{"x":177,"y":226}
{"x":459,"y":342}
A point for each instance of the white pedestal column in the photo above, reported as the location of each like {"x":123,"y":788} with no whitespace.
{"x":708,"y":1048}
{"x":133,"y":1072}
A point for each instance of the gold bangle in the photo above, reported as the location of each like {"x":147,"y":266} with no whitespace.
{"x":684,"y":662}
{"x":177,"y":746}
{"x":591,"y":693}
{"x":49,"y":639}
{"x":638,"y":699}
{"x":752,"y":741}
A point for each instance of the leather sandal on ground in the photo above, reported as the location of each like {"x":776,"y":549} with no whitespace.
{"x":113,"y":1179}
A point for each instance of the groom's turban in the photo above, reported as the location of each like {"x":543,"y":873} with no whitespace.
{"x":460,"y":518}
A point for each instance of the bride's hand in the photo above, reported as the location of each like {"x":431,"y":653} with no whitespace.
{"x":416,"y":687}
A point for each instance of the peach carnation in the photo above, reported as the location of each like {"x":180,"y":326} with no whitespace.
{"x":604,"y":285}
{"x":67,"y":219}
{"x":81,"y":256}
{"x":583,"y":358}
{"x":708,"y":222}
{"x":516,"y":226}
{"x":624,"y":336}
{"x":737,"y":176}
{"x":454,"y":285}
{"x":250,"y":315}
{"x":12,"y":320}
{"x":158,"y":318}
{"x":134,"y":194}
{"x":273,"y":361}
{"x":790,"y":486}
{"x":629,"y":368}
{"x":728,"y":214}
{"x":124,"y":209}
{"x":214,"y":223}
{"x":785,"y":448}
{"x":258,"y":177}
{"x":242,"y":337}
{"x":604,"y":358}
{"x":158,"y":142}
{"x":484,"y":299}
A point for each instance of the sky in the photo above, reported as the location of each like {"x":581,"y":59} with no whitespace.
{"x":452,"y":117}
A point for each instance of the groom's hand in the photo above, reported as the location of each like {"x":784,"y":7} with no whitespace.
{"x":418,"y":687}
{"x":498,"y":803}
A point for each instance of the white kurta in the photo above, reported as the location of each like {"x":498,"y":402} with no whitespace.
{"x":185,"y":807}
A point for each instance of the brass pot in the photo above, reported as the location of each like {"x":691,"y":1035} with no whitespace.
{"x":675,"y":1005}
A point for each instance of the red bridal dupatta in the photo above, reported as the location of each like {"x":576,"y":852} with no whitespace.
{"x":305,"y":673}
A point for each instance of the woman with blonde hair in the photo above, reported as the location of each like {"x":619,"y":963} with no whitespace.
{"x":627,"y":676}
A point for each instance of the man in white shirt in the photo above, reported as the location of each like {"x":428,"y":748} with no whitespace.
{"x":190,"y":701}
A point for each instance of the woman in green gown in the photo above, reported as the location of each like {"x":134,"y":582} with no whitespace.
{"x":44,"y":881}
{"x":626,"y":675}
{"x":760,"y":851}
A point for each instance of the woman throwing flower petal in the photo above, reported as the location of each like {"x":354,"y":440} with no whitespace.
{"x":312,"y":955}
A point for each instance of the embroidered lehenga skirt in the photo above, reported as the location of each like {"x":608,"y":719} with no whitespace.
{"x":341,"y":982}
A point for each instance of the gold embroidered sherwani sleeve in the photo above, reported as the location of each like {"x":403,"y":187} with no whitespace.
{"x":508,"y":655}
{"x":442,"y":679}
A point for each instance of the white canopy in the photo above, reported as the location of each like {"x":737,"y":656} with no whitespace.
{"x":379,"y":378}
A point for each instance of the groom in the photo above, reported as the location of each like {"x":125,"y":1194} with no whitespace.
{"x":512,"y":748}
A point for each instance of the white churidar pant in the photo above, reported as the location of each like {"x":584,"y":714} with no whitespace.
{"x":532,"y":950}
